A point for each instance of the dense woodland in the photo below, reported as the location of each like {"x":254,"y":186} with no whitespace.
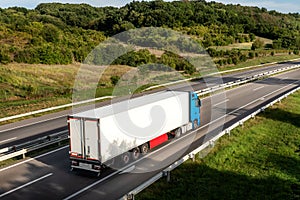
{"x":64,"y":33}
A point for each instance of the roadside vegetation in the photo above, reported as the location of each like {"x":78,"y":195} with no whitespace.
{"x":40,"y":49}
{"x":258,"y":161}
{"x":29,"y":87}
{"x":55,"y":33}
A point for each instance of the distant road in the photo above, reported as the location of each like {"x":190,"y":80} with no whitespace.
{"x":48,"y":176}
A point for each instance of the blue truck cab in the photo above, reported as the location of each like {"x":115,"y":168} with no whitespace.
{"x":195,"y":104}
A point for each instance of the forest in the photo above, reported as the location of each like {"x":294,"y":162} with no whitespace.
{"x":55,"y":33}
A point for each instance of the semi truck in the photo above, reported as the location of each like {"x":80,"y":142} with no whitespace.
{"x":126,"y":130}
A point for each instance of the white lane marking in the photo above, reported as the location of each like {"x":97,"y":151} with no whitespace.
{"x":129,"y":169}
{"x":3,"y":141}
{"x":31,"y":123}
{"x":93,"y":184}
{"x":165,"y":146}
{"x":22,"y":186}
{"x":221,"y":102}
{"x":258,"y":88}
{"x":25,"y":161}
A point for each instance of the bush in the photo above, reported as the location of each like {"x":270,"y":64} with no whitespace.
{"x":296,"y":51}
{"x":114,"y":80}
{"x":4,"y":58}
{"x":251,"y":55}
{"x":257,"y":44}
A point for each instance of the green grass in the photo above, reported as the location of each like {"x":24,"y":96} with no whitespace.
{"x":260,"y":60}
{"x":26,"y":87}
{"x":258,"y":161}
{"x":245,"y":46}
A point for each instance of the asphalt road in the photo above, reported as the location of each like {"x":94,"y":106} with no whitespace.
{"x":27,"y":130}
{"x":48,"y":176}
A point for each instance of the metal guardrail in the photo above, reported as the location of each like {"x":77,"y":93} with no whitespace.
{"x":244,"y":80}
{"x":22,"y":149}
{"x":167,"y":171}
{"x":152,"y":87}
{"x":215,"y":73}
{"x":53,"y":108}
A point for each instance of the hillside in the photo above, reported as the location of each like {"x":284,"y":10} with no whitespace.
{"x":41,"y":49}
{"x":65,"y":33}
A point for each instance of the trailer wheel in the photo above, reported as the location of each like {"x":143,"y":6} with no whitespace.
{"x":144,"y":148}
{"x":178,"y":133}
{"x":125,"y":158}
{"x":195,"y":124}
{"x":135,"y":153}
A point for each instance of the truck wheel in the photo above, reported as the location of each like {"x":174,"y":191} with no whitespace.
{"x":135,"y":153}
{"x":195,"y":124}
{"x":178,"y":133}
{"x":125,"y":158}
{"x":144,"y":148}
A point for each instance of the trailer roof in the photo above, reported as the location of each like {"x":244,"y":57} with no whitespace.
{"x":122,"y":106}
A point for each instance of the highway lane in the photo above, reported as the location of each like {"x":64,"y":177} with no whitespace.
{"x":241,"y":102}
{"x":27,"y":130}
{"x":48,"y":176}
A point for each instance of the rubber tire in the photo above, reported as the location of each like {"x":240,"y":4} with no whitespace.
{"x":195,"y":124}
{"x":178,"y":133}
{"x":135,"y":153}
{"x":144,"y":148}
{"x":125,"y":158}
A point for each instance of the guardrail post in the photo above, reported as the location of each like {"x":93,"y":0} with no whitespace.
{"x":130,"y":196}
{"x":168,"y":175}
{"x":192,"y":156}
{"x":23,"y":155}
{"x":241,"y":124}
{"x":227,"y":132}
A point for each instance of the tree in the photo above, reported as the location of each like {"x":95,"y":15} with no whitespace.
{"x":251,"y":54}
{"x":114,"y":80}
{"x":252,"y":37}
{"x":296,"y":51}
{"x":257,"y":44}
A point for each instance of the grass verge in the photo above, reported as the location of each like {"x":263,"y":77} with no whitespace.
{"x":27,"y":88}
{"x":261,"y":60}
{"x":258,"y":161}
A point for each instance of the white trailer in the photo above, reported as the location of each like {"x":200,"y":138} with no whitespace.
{"x":99,"y":136}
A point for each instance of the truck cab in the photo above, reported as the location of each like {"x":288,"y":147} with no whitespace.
{"x":195,"y":104}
